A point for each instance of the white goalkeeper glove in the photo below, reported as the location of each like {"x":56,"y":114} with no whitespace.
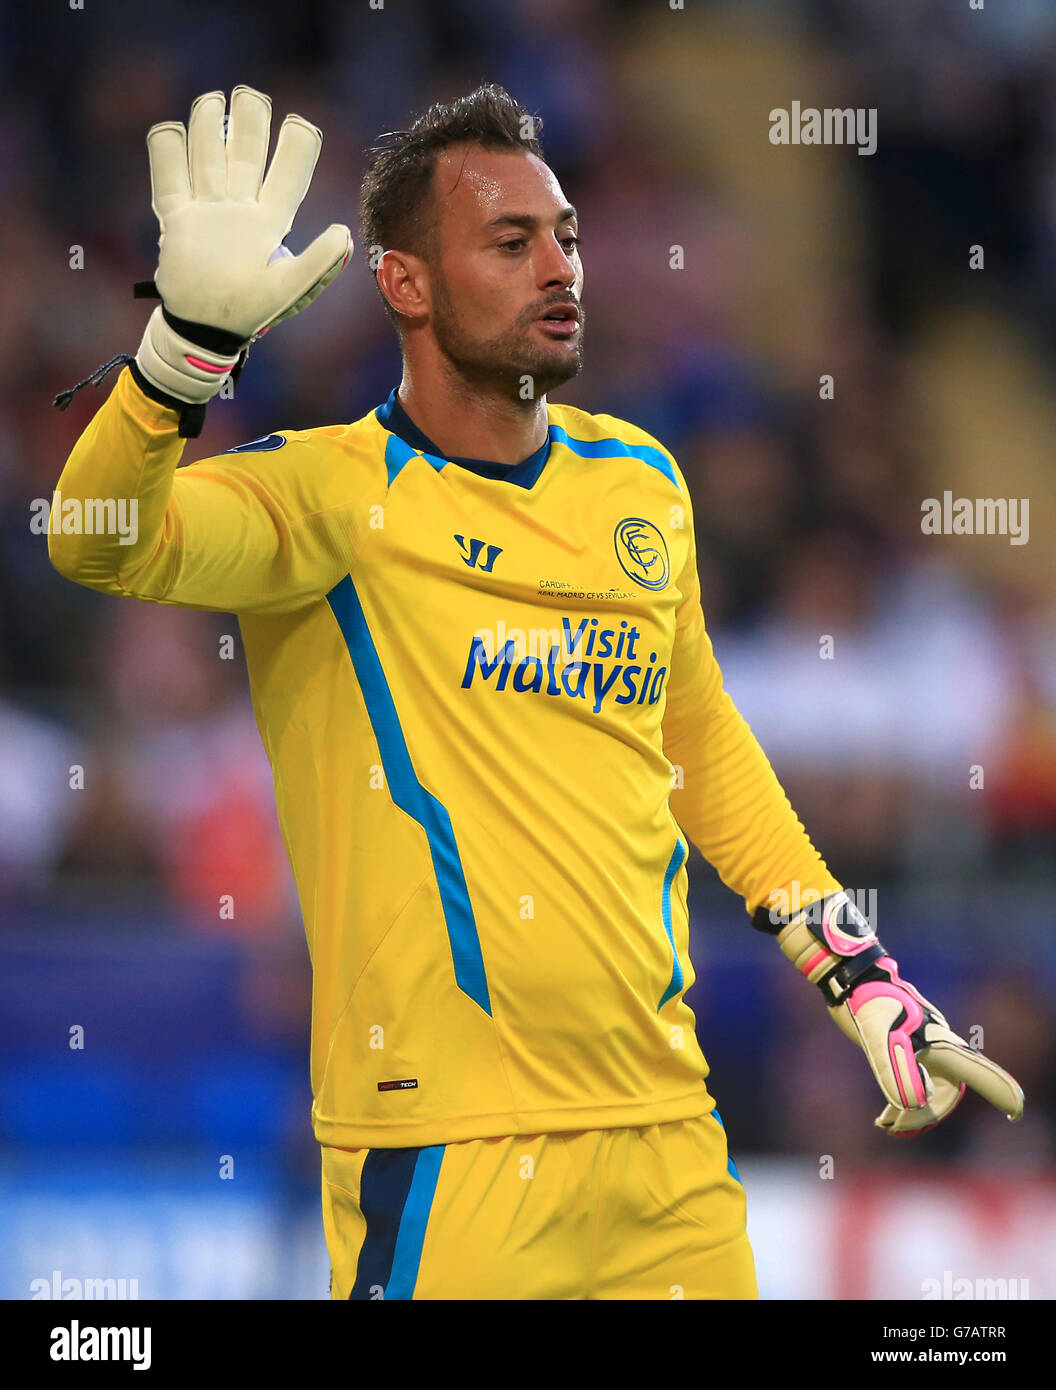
{"x":921,"y":1065}
{"x":223,"y":275}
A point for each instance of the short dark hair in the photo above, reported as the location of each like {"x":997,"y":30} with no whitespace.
{"x":396,"y":198}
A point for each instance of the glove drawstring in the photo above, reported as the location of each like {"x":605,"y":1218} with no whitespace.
{"x":63,"y":399}
{"x":192,"y":417}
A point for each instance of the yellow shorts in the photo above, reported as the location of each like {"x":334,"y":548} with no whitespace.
{"x":647,"y":1213}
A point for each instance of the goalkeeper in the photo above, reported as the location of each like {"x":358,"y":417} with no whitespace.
{"x":481,"y":674}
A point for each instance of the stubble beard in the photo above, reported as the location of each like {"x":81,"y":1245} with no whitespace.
{"x":501,"y":364}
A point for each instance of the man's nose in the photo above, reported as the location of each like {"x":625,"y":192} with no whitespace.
{"x":555,"y":267}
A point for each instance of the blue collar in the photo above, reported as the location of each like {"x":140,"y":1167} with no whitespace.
{"x":395,"y":419}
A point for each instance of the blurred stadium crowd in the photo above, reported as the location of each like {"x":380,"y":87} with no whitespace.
{"x":797,"y":262}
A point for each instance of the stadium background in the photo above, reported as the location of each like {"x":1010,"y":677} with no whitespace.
{"x":797,"y":262}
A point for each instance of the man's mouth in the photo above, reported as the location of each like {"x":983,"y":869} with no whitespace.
{"x":562,"y":321}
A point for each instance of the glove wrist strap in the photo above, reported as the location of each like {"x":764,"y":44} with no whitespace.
{"x":829,"y":942}
{"x":839,"y":981}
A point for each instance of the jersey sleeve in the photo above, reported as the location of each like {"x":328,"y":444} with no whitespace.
{"x":730,"y":802}
{"x":240,"y":532}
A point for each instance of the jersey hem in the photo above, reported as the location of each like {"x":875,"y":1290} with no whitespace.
{"x":389,"y":1135}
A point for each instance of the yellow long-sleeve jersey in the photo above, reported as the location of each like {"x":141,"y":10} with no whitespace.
{"x":493,"y":715}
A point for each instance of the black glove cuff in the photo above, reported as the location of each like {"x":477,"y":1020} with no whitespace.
{"x":192,"y":416}
{"x":772,"y":922}
{"x":762,"y":921}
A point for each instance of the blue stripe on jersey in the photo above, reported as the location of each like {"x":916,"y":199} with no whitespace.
{"x":410,"y":796}
{"x":678,"y":855}
{"x":398,"y":453}
{"x":616,"y":448}
{"x":731,"y":1167}
{"x":392,"y":417}
{"x":383,"y":1189}
{"x":408,"y":1253}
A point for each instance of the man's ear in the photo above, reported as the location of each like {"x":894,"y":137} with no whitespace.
{"x":404,"y":281}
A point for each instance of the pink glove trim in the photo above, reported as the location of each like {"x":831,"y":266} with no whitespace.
{"x":815,"y":961}
{"x":205,"y":366}
{"x":843,"y":945}
{"x":899,"y":1037}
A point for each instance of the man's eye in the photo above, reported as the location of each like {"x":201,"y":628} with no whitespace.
{"x":514,"y":245}
{"x":572,"y":242}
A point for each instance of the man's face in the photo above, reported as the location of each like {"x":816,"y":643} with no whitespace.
{"x":507,"y":255}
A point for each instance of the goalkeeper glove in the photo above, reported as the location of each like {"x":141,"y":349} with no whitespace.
{"x":921,"y":1065}
{"x":223,"y":275}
